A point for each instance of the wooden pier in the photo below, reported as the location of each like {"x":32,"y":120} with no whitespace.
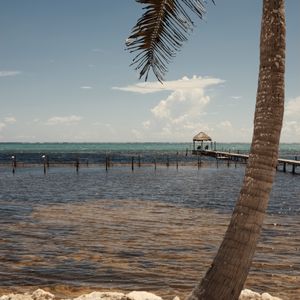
{"x":231,"y":156}
{"x":285,"y":162}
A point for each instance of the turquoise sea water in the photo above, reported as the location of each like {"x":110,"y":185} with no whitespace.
{"x":94,"y":147}
{"x":96,"y":152}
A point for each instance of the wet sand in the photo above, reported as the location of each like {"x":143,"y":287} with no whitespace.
{"x":71,"y":249}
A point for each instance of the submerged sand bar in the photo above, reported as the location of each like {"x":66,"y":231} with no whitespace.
{"x":133,"y":244}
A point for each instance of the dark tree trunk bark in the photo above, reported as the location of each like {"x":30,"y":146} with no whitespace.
{"x":228,"y":272}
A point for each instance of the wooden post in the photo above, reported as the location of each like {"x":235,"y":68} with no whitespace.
{"x":77,"y":164}
{"x":155,"y":163}
{"x":294,"y":169}
{"x":168,"y":161}
{"x":199,"y":161}
{"x":177,"y":160}
{"x":217,"y":161}
{"x":139,"y":161}
{"x":44,"y":163}
{"x":284,"y":167}
{"x":106,"y":163}
{"x":132,"y":163}
{"x":47,"y":161}
{"x":14,"y":163}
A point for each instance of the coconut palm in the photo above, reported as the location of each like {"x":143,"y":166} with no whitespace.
{"x":157,"y":36}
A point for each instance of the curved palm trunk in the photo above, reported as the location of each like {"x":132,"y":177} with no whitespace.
{"x":228,"y":272}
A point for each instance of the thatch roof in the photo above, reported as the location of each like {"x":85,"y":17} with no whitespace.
{"x":201,"y":136}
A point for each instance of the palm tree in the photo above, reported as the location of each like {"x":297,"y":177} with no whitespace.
{"x":157,"y":36}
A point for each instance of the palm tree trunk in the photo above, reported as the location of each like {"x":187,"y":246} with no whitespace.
{"x":228,"y":272}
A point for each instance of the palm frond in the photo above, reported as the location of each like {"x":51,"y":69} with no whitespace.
{"x":160,"y":33}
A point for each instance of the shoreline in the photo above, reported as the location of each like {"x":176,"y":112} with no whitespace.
{"x":41,"y":294}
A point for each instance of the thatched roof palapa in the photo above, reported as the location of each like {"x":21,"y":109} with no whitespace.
{"x":201,"y":137}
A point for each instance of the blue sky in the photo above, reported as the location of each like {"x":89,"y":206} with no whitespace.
{"x":65,"y":76}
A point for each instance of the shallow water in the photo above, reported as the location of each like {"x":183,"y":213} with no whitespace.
{"x":146,"y":230}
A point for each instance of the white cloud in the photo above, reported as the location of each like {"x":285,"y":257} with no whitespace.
{"x":236,"y":97}
{"x":138,"y":135}
{"x":7,"y":121}
{"x":291,"y":121}
{"x":225,"y":125}
{"x":291,"y":127}
{"x":7,"y":73}
{"x":226,"y":131}
{"x":2,"y":125}
{"x":184,"y":84}
{"x":290,"y":132}
{"x":26,"y":138}
{"x":10,"y":120}
{"x":292,"y":108}
{"x":181,"y":105}
{"x":175,"y":117}
{"x":146,"y":124}
{"x":86,"y":87}
{"x":66,"y":120}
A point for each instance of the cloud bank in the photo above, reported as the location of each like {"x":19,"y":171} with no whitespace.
{"x":86,"y":87}
{"x":64,"y":120}
{"x":178,"y":115}
{"x":7,"y":73}
{"x":184,"y":84}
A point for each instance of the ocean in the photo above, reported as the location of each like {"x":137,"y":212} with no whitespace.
{"x":151,"y":228}
{"x":122,"y":152}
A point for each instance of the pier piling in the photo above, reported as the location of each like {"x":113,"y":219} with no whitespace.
{"x":77,"y":164}
{"x":199,"y":161}
{"x":44,"y":163}
{"x":238,"y":157}
{"x":14,"y":163}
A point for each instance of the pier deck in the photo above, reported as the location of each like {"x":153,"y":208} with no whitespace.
{"x":243,"y":157}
